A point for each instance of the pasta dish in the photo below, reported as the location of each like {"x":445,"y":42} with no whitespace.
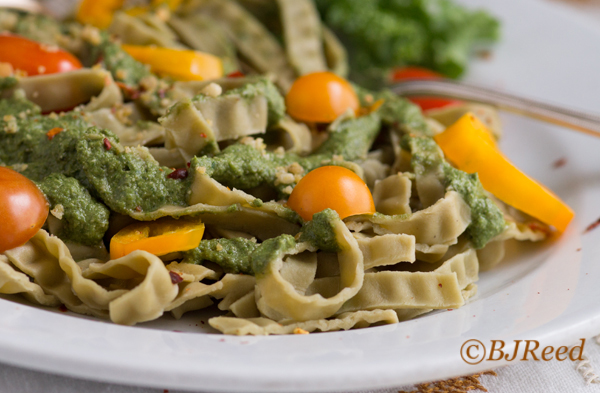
{"x":212,"y":153}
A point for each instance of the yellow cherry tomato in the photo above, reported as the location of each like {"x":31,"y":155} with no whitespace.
{"x":470,"y":147}
{"x":180,"y":64}
{"x":320,"y":97}
{"x":158,"y":238}
{"x":332,"y":187}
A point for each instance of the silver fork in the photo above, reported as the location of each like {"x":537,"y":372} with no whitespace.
{"x":586,"y":123}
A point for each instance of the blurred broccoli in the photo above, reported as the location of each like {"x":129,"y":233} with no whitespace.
{"x":384,"y":34}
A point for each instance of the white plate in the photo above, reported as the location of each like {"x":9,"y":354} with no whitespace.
{"x":549,"y":293}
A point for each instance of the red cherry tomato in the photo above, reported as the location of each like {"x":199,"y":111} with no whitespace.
{"x":425,"y":103}
{"x":23,"y":209}
{"x":35,"y":58}
{"x":332,"y":187}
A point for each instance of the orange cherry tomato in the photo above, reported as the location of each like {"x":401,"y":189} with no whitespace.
{"x":23,"y":209}
{"x":332,"y":187}
{"x":426,"y":103}
{"x":320,"y":97}
{"x":35,"y":58}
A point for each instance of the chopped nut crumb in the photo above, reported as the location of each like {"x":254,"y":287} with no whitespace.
{"x":201,"y":170}
{"x":163,"y":13}
{"x":58,"y":211}
{"x":295,"y":168}
{"x":212,"y":90}
{"x":91,"y":34}
{"x":219,"y":247}
{"x":149,"y":82}
{"x":121,"y":74}
{"x":6,"y":69}
{"x":257,"y":143}
{"x":279,"y":152}
{"x":19,"y":167}
{"x":11,"y":126}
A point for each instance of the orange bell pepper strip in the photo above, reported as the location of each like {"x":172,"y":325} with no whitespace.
{"x":158,"y":237}
{"x":470,"y":147}
{"x":98,"y":13}
{"x":180,"y":64}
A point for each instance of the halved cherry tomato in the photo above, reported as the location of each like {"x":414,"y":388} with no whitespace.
{"x":23,"y":209}
{"x":35,"y":58}
{"x":320,"y":97}
{"x":332,"y":187}
{"x":159,"y":238}
{"x":426,"y":103}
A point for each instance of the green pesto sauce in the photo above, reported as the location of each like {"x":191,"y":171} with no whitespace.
{"x":233,"y":255}
{"x":119,"y":63}
{"x":243,"y":167}
{"x":320,"y":232}
{"x":126,"y":180}
{"x":84,"y":220}
{"x":30,"y":144}
{"x":487,"y":220}
{"x":7,"y":82}
{"x":269,"y":251}
{"x":240,"y":255}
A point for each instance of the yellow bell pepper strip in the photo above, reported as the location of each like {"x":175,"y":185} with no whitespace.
{"x":172,"y":4}
{"x":143,"y":9}
{"x":469,"y":146}
{"x":98,"y":13}
{"x":159,"y":237}
{"x":180,"y":64}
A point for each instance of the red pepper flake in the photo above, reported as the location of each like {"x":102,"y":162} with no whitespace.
{"x":166,"y":391}
{"x":203,"y":135}
{"x":54,"y":132}
{"x":559,"y":163}
{"x":107,"y":144}
{"x":440,"y":285}
{"x":236,"y":74}
{"x":62,"y":308}
{"x":484,"y":54}
{"x":536,"y":227}
{"x":592,"y":226}
{"x":202,"y":322}
{"x":178,"y":174}
{"x":449,"y":309}
{"x":129,"y":91}
{"x":189,"y":164}
{"x":175,"y":277}
{"x":221,"y":340}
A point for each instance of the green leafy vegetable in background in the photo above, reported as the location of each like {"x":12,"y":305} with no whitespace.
{"x":384,"y":34}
